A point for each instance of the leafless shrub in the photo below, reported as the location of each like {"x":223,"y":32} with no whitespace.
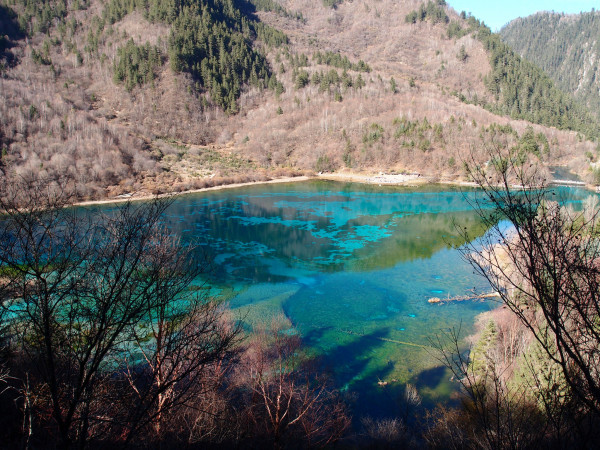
{"x":386,"y":433}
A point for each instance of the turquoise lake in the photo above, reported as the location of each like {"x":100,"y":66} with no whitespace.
{"x":351,"y":268}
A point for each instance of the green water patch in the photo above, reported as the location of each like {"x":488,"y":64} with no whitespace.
{"x":415,"y":236}
{"x":386,"y":310}
{"x":261,"y":303}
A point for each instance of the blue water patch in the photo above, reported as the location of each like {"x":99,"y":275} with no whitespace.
{"x":371,"y":232}
{"x":378,"y":317}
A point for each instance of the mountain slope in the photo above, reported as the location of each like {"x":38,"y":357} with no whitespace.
{"x":148,"y":96}
{"x":566,"y":46}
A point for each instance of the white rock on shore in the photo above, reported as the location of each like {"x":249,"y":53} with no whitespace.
{"x":392,"y":179}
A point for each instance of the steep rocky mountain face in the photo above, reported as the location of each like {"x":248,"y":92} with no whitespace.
{"x":149,"y":95}
{"x":567,"y":47}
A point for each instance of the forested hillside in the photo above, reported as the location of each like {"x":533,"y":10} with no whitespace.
{"x":147,"y":96}
{"x":60,"y":56}
{"x":519,"y":88}
{"x":567,"y":47}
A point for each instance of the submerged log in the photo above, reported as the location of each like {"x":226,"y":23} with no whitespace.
{"x":461,"y":298}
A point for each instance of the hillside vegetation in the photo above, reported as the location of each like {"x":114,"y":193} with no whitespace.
{"x":567,"y":47}
{"x":148,"y":96}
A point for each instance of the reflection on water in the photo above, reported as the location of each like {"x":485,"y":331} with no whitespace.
{"x":351,"y":266}
{"x":318,"y":226}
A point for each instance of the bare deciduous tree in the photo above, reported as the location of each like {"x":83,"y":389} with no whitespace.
{"x":545,"y":264}
{"x":494,"y":414}
{"x":85,"y":290}
{"x":542,"y":258}
{"x":288,"y":399}
{"x":179,"y":345}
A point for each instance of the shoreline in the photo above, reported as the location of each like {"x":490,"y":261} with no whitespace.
{"x":381,"y":179}
{"x":131,"y":197}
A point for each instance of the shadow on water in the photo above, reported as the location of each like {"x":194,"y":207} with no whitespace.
{"x":437,"y":385}
{"x":348,"y":361}
{"x":369,"y":395}
{"x":431,"y":377}
{"x":314,"y":335}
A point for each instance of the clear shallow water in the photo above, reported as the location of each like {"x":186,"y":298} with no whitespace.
{"x":351,"y":267}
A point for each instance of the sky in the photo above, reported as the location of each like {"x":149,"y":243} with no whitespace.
{"x":496,"y":13}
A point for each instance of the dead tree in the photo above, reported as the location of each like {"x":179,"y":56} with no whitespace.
{"x":494,"y":414}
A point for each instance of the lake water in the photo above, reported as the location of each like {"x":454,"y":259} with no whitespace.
{"x":351,"y":268}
